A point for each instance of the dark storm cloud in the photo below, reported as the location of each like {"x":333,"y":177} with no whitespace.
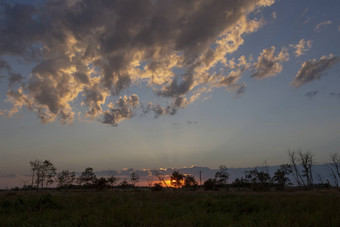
{"x":21,"y":26}
{"x":98,"y":49}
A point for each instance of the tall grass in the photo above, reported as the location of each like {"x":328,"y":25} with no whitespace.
{"x":170,"y":208}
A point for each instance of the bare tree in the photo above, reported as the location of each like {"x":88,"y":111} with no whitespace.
{"x":34,"y":167}
{"x":334,"y":167}
{"x":48,"y":173}
{"x":306,"y":160}
{"x":319,"y":179}
{"x":161,"y":177}
{"x":294,"y":160}
{"x":303,"y":175}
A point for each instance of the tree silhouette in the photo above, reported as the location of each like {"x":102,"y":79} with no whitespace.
{"x":294,"y":160}
{"x":190,"y":181}
{"x":134,"y":178}
{"x":241,"y":183}
{"x":48,"y":173}
{"x":161,"y":177}
{"x":176,"y":179}
{"x":35,"y":165}
{"x":210,"y":184}
{"x":222,"y":175}
{"x":125,"y":184}
{"x":307,"y":160}
{"x":334,"y":167}
{"x":157,"y":187}
{"x":112,"y":180}
{"x":65,"y":179}
{"x":280,"y":176}
{"x":43,"y":173}
{"x":258,"y":178}
{"x":87,"y":177}
{"x":101,"y":183}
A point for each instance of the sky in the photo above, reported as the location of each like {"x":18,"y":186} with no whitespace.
{"x":167,"y":84}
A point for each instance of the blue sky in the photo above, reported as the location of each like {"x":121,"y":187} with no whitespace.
{"x":276,"y":99}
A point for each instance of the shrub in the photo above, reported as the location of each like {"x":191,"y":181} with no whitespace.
{"x":157,"y":187}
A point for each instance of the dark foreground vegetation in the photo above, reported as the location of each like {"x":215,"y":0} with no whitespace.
{"x":258,"y":198}
{"x":143,"y":207}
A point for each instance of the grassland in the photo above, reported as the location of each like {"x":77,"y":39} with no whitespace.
{"x":170,"y":208}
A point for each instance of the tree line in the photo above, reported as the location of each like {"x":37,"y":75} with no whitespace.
{"x":299,"y":168}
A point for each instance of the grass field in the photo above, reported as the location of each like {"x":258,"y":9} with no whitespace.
{"x":170,"y":208}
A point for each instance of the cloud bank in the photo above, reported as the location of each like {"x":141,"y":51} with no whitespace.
{"x":92,"y":52}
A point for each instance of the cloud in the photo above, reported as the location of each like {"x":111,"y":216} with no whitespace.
{"x":311,"y":94}
{"x":314,"y":69}
{"x":92,"y":52}
{"x":18,"y":100}
{"x":337,"y":95}
{"x":124,"y":109}
{"x":4,"y":65}
{"x":268,"y":64}
{"x":321,"y":24}
{"x":302,"y":47}
{"x":304,"y":12}
{"x":274,"y":15}
{"x":13,"y":77}
{"x":241,"y":89}
{"x":159,"y":110}
{"x":189,"y":122}
{"x":230,"y":79}
{"x":307,"y":20}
